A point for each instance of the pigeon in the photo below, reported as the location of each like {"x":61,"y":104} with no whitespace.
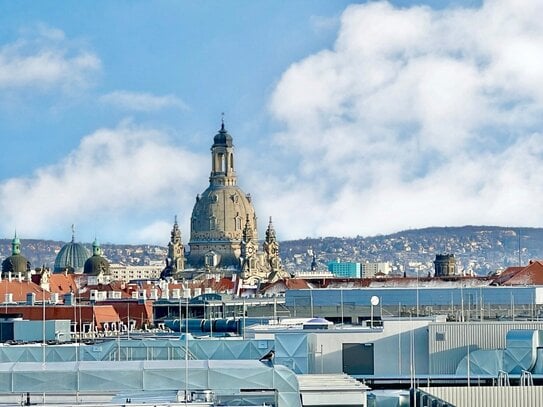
{"x":268,"y":358}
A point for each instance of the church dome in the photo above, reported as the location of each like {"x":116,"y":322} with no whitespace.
{"x":220,"y":212}
{"x":223,"y":138}
{"x":72,"y":256}
{"x":16,"y":263}
{"x":96,"y":264}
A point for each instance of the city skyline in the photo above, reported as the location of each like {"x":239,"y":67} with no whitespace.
{"x":347,"y":119}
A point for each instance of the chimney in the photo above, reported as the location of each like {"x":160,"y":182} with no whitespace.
{"x":28,"y":276}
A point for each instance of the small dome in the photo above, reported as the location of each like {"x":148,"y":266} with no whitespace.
{"x":15,"y":263}
{"x":96,"y":265}
{"x":222,"y":138}
{"x":72,"y":256}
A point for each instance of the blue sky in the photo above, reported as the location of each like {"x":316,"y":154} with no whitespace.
{"x":348,"y":118}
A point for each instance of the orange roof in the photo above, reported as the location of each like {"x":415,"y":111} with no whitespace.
{"x":62,"y":283}
{"x":19,"y":289}
{"x":105,"y":313}
{"x":532,"y":274}
{"x":221,"y":285}
{"x":287,"y":284}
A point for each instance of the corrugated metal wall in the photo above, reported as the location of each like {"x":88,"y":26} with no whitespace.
{"x":489,"y":396}
{"x":449,"y":342}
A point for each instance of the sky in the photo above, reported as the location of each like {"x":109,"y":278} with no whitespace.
{"x":348,"y":118}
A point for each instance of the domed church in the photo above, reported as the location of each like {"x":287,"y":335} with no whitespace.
{"x":16,"y":263}
{"x":220,"y":212}
{"x":96,"y":265}
{"x":71,"y":257}
{"x":223,"y":227}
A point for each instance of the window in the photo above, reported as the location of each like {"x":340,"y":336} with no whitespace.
{"x":358,"y":358}
{"x":440,"y":336}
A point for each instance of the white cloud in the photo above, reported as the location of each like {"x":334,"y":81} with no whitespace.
{"x":44,"y":59}
{"x":113,"y":185}
{"x":416,"y":117}
{"x":144,"y":102}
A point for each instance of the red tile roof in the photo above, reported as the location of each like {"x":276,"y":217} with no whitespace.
{"x":19,"y":289}
{"x":532,"y":274}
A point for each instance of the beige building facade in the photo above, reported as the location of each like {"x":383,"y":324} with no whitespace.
{"x":220,"y":212}
{"x":224,"y":234}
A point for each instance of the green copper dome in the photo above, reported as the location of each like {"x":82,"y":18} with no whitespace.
{"x":96,"y":264}
{"x":72,"y":257}
{"x":16,"y":263}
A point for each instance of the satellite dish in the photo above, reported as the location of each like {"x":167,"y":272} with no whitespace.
{"x":374,"y":300}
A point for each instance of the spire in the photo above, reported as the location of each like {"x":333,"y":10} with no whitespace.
{"x":270,"y":232}
{"x":96,"y":250}
{"x":222,"y":158}
{"x":176,"y":233}
{"x":248,"y":234}
{"x":15,"y":244}
{"x":73,"y":233}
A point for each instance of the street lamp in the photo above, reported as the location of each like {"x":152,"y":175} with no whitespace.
{"x":374,"y":302}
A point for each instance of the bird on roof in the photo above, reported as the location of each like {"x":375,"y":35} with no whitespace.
{"x":268,"y":358}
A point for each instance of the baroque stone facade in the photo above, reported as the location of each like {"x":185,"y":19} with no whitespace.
{"x":219,"y":214}
{"x":175,"y":262}
{"x":223,"y":230}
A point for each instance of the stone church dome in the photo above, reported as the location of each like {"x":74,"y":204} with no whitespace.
{"x":220,"y":212}
{"x":71,"y":257}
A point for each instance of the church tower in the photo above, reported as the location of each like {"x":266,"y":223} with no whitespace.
{"x":249,"y":249}
{"x":176,"y":251}
{"x":175,"y":261}
{"x":271,"y":250}
{"x":219,"y":212}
